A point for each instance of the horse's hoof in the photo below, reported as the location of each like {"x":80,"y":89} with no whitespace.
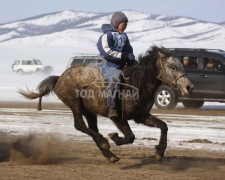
{"x":158,"y":157}
{"x":159,"y":154}
{"x":113,"y":159}
{"x":39,"y":108}
{"x":112,"y":135}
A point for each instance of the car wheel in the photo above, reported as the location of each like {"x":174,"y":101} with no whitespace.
{"x":38,"y":71}
{"x":165,"y":98}
{"x":20,"y":71}
{"x":193,"y":104}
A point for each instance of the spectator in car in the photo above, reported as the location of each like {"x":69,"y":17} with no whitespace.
{"x":186,"y":62}
{"x":210,"y":66}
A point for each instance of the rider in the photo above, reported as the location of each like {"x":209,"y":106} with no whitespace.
{"x":115,"y":48}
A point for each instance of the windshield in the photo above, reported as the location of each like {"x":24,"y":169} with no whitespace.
{"x":17,"y":62}
{"x":37,"y":62}
{"x":224,"y":55}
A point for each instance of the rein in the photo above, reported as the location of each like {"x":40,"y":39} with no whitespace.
{"x":171,"y":79}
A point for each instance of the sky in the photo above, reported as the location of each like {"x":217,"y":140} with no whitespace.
{"x":208,"y":10}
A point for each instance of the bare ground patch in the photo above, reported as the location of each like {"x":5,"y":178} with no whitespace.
{"x":49,"y":157}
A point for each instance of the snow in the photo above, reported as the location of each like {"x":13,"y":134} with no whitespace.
{"x":53,"y":30}
{"x":51,"y":19}
{"x":182,"y":20}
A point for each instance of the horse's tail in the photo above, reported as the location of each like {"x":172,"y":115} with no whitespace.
{"x":45,"y":88}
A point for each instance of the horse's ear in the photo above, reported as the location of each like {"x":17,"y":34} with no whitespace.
{"x":155,"y":48}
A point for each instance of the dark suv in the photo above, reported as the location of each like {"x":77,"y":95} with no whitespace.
{"x":206,"y":70}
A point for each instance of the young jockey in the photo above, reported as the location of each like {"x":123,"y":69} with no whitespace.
{"x":115,"y":48}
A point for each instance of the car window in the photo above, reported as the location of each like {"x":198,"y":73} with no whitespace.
{"x":211,"y":64}
{"x":17,"y":62}
{"x":87,"y":61}
{"x":37,"y":62}
{"x":99,"y":60}
{"x":189,"y":62}
{"x":77,"y":61}
{"x":26,"y":62}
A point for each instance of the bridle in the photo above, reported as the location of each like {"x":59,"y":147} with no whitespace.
{"x":172,"y":80}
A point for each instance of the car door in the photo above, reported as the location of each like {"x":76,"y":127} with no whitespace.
{"x":27,"y":65}
{"x":194,"y":77}
{"x":212,"y":81}
{"x":192,"y":71}
{"x":30,"y":65}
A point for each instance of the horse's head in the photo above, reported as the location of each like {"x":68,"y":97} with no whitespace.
{"x":171,"y":71}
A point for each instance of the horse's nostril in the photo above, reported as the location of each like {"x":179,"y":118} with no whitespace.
{"x":190,"y":88}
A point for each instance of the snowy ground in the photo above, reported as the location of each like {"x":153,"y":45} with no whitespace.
{"x":185,"y":131}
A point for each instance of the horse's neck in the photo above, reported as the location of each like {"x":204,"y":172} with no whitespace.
{"x":141,"y":77}
{"x":144,"y":80}
{"x":146,"y":84}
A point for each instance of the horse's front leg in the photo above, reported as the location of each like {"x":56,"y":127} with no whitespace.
{"x":153,"y":121}
{"x":92,"y":131}
{"x":124,"y":127}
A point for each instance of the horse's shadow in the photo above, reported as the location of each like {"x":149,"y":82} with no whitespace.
{"x":179,"y":163}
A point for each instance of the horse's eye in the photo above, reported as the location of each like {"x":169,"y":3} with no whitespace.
{"x":174,"y":68}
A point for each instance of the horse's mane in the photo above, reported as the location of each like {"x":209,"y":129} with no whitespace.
{"x":146,"y":64}
{"x":152,"y":53}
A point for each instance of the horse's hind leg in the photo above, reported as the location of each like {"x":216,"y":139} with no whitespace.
{"x":91,"y":120}
{"x":152,"y":121}
{"x":92,"y":131}
{"x":124,"y":127}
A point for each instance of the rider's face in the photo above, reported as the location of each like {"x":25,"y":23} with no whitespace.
{"x":122,"y":26}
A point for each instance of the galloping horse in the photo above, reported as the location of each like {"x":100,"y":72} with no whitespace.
{"x":79,"y":88}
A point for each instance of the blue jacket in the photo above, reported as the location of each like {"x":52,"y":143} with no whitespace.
{"x":113,"y":44}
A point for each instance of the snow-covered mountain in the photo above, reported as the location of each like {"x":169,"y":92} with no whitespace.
{"x":82,"y":29}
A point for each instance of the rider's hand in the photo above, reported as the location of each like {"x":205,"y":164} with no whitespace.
{"x":131,"y":62}
{"x":124,"y":56}
{"x":128,"y":59}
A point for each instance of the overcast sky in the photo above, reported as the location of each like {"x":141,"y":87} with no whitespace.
{"x":208,"y":10}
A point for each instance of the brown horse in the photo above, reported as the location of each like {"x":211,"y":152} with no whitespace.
{"x":82,"y":88}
